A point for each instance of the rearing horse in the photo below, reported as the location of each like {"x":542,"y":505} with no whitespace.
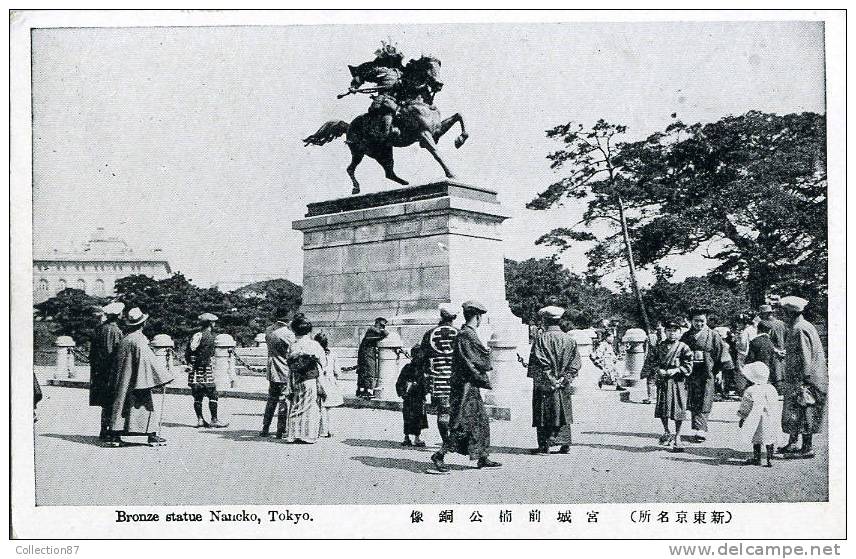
{"x":417,"y":120}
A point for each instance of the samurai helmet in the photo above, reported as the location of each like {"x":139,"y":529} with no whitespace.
{"x":388,"y":50}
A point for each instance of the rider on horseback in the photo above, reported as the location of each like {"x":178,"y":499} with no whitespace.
{"x":386,"y":72}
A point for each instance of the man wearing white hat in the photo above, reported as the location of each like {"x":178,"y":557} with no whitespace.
{"x":436,"y":364}
{"x":102,"y":353}
{"x":806,"y":380}
{"x":138,"y":372}
{"x":553,"y":364}
{"x":200,"y":379}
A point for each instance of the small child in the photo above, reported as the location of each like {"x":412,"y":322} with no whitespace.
{"x":670,"y":362}
{"x":757,"y":410}
{"x":410,"y":387}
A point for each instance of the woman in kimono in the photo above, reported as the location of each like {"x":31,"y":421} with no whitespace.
{"x":758,"y":408}
{"x":670,"y":362}
{"x":710,"y":357}
{"x":329,"y":386}
{"x":410,"y":387}
{"x":304,"y":362}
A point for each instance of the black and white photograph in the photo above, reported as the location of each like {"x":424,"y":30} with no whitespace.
{"x":446,"y":275}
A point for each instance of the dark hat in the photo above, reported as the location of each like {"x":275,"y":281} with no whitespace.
{"x":673,"y":324}
{"x":381,"y":319}
{"x":474,"y":305}
{"x":696,"y":311}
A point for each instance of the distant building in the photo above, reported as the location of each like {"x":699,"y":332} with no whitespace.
{"x":247,"y":281}
{"x":94,"y":268}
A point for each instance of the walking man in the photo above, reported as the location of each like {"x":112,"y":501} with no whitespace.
{"x":201,"y":376}
{"x":710,"y":356}
{"x":102,"y":357}
{"x":806,"y":380}
{"x":469,"y":427}
{"x":279,"y":338}
{"x":436,"y":362}
{"x":138,"y":373}
{"x":368,"y":374}
{"x":553,"y":364}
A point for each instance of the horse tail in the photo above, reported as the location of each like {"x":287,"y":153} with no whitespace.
{"x":328,"y":132}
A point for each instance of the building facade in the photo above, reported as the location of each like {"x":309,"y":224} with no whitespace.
{"x":94,"y":268}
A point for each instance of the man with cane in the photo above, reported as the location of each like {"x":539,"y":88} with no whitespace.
{"x":138,"y":373}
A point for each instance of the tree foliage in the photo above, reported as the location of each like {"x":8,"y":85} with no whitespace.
{"x":747,"y":191}
{"x":71,"y":312}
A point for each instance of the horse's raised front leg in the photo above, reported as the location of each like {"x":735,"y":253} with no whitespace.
{"x":447,"y":124}
{"x":356,"y":157}
{"x":427,"y":142}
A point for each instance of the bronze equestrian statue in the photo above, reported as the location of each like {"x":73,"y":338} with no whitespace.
{"x":402,"y":112}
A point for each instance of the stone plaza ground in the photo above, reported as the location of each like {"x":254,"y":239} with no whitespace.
{"x":615,"y":458}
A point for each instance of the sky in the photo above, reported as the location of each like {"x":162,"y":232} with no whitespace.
{"x":189,"y":139}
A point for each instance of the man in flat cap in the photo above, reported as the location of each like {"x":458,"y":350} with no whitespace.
{"x":777,"y":332}
{"x":806,"y":380}
{"x":710,"y":357}
{"x":138,"y":373}
{"x":469,"y":426}
{"x":200,"y":379}
{"x":368,"y":368}
{"x":553,"y":364}
{"x":102,"y":357}
{"x":435,"y":360}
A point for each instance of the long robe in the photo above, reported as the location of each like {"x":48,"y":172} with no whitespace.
{"x":805,"y":366}
{"x":469,"y":427}
{"x":676,"y":359}
{"x":138,"y":371}
{"x":410,"y":387}
{"x":367,"y":361}
{"x":554,"y":359}
{"x":102,"y":356}
{"x":710,"y":355}
{"x":304,"y":414}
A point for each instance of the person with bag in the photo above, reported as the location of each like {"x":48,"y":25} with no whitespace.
{"x":806,"y":380}
{"x":469,"y":428}
{"x":304,"y":364}
{"x":410,"y":387}
{"x":328,"y":386}
{"x":554,"y":362}
{"x":670,"y":362}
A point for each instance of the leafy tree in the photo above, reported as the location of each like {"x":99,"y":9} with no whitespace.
{"x":666,"y":299}
{"x":70,"y":313}
{"x":593,"y":173}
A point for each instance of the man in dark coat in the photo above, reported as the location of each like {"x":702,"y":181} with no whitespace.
{"x":778,"y":333}
{"x":469,"y":428}
{"x":410,"y":387}
{"x":102,"y":357}
{"x":435,"y":358}
{"x":806,"y":381}
{"x":761,"y":349}
{"x":710,"y":357}
{"x":553,"y":364}
{"x":367,"y":359}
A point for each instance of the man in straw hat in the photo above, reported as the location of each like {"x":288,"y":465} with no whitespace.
{"x":102,"y":355}
{"x":469,"y":426}
{"x":806,"y":380}
{"x":553,"y":364}
{"x":435,"y":360}
{"x":710,"y":357}
{"x":138,"y":373}
{"x":200,"y":379}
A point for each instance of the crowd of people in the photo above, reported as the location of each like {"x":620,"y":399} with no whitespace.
{"x":763,"y":360}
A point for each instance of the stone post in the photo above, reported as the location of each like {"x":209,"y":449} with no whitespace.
{"x":508,"y":377}
{"x":388,"y":369}
{"x":634,"y":340}
{"x":260,"y":340}
{"x":223,"y":363}
{"x":162,"y":345}
{"x":64,"y":357}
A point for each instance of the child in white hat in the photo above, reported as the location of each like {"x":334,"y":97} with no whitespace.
{"x":757,"y":413}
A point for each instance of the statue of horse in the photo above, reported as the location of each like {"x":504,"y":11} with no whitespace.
{"x":415,"y":119}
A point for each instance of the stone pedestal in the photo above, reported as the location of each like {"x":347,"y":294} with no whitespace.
{"x":399,"y":254}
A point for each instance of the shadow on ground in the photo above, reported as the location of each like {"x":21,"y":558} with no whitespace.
{"x":415,"y":466}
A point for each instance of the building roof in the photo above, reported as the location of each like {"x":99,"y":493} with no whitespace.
{"x":101,"y":248}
